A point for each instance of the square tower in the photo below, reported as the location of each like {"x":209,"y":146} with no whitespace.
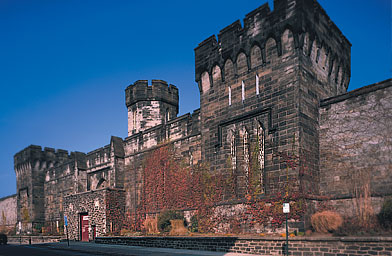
{"x":260,"y":87}
{"x":150,"y":105}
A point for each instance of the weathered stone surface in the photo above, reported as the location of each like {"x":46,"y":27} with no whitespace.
{"x":149,"y":106}
{"x":278,"y":81}
{"x":356,"y":144}
{"x":31,"y":167}
{"x":8,"y":212}
{"x":182,"y":131}
{"x":331,"y":246}
{"x":104,"y":208}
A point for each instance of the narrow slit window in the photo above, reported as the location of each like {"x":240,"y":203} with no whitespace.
{"x":191,"y":159}
{"x":167,"y":115}
{"x":325,"y":61}
{"x":257,"y":85}
{"x":243,"y":90}
{"x":134,"y":120}
{"x":229,"y":96}
{"x":318,"y":55}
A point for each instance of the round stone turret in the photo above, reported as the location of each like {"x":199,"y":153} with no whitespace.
{"x":150,"y":105}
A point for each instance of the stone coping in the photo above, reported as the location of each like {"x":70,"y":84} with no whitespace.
{"x":34,"y":236}
{"x":357,"y":92}
{"x":24,"y":239}
{"x":6,"y":197}
{"x":307,"y":245}
{"x":297,"y":238}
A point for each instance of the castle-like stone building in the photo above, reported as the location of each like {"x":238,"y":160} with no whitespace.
{"x":280,"y":80}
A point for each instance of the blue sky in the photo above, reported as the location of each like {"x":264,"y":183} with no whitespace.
{"x":64,"y":64}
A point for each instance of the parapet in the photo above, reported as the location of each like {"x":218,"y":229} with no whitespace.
{"x":382,"y":85}
{"x":117,"y":145}
{"x":80,"y":159}
{"x":62,"y":153}
{"x":33,"y":153}
{"x":159,"y":90}
{"x":177,"y":129}
{"x":301,"y":17}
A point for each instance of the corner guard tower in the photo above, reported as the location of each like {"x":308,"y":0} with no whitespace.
{"x":149,"y":106}
{"x":31,"y":165}
{"x":267,"y":79}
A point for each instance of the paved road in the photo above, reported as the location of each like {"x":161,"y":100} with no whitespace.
{"x":26,"y":250}
{"x":89,"y":249}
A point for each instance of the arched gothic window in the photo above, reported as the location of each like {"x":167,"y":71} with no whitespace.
{"x":246,"y":158}
{"x":260,"y":154}
{"x":233,"y":154}
{"x":101,"y":183}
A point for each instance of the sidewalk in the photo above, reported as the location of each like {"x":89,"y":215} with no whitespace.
{"x":117,"y":250}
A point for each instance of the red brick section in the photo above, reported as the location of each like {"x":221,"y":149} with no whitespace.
{"x":328,"y":246}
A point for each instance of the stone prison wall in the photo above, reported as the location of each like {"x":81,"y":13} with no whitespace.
{"x":356,"y":145}
{"x":301,"y":246}
{"x":8,"y":213}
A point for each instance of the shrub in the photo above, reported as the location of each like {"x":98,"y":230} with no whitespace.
{"x":126,"y":232}
{"x":37,"y":228}
{"x":385,"y":215}
{"x":178,"y":228}
{"x":194,"y":226}
{"x":326,"y":221}
{"x":151,"y":225}
{"x":165,"y":217}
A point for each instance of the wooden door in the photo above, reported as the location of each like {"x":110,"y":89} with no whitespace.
{"x":84,"y":226}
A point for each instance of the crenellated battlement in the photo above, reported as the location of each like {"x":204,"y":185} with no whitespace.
{"x":33,"y":152}
{"x":50,"y":156}
{"x":33,"y":165}
{"x":150,"y":105}
{"x":306,"y":20}
{"x":159,"y":90}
